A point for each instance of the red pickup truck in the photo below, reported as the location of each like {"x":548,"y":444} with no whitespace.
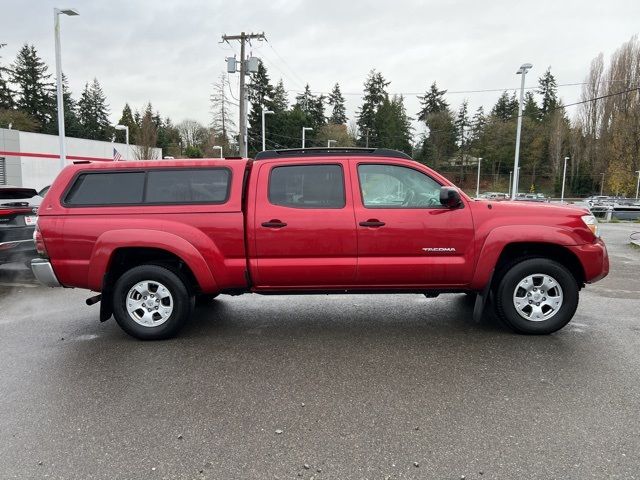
{"x":152,"y":236}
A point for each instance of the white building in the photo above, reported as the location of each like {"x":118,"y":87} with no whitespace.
{"x":32,"y":159}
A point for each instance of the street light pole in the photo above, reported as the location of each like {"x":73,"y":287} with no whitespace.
{"x":510,"y":174}
{"x":478,"y":182}
{"x":59,"y":93}
{"x":126,"y":135}
{"x":329,"y":143}
{"x":524,"y":68}
{"x":564,"y":176}
{"x":602,"y":185}
{"x":304,"y":131}
{"x":264,"y":135}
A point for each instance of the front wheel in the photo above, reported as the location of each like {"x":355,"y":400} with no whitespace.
{"x":537,"y":296}
{"x":151,"y":302}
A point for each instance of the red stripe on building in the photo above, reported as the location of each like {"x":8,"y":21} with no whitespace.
{"x":54,"y":156}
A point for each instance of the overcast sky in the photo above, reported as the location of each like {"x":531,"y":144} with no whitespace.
{"x":167,"y":52}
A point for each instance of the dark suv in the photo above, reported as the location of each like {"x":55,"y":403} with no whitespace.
{"x":18,"y":213}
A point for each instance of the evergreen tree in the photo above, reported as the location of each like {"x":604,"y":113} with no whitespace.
{"x":462,"y":125}
{"x":506,"y":107}
{"x":260,"y":93}
{"x":71,"y":121}
{"x":531,"y":109}
{"x":374,"y":94}
{"x":305,"y":100}
{"x":440,"y":142}
{"x":338,"y":111}
{"x":168,"y":138}
{"x":6,"y":94}
{"x":126,"y":118}
{"x":392,"y":125}
{"x":35,"y":91}
{"x":280,"y":98}
{"x":316,"y":112}
{"x":548,"y":90}
{"x":147,"y":135}
{"x":432,"y":102}
{"x":93,"y":113}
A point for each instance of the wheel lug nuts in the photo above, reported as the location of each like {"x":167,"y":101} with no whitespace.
{"x":530,"y":302}
{"x":537,"y":304}
{"x":544,"y":298}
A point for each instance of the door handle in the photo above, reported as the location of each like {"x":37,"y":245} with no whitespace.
{"x":372,"y":222}
{"x":274,"y":224}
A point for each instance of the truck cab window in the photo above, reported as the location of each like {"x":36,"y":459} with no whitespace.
{"x":393,"y":186}
{"x":307,"y":186}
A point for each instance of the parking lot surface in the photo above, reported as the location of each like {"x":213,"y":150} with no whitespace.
{"x":324,"y":387}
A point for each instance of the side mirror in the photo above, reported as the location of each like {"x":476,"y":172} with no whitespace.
{"x":450,"y":197}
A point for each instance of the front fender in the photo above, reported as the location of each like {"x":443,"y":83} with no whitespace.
{"x":110,"y":241}
{"x":500,"y":237}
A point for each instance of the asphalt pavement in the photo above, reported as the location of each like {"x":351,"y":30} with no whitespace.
{"x":323,"y":387}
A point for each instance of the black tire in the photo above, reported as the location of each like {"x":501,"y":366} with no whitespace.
{"x":518,"y":271}
{"x":177,"y":286}
{"x":205,"y":299}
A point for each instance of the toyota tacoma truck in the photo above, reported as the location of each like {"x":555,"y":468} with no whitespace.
{"x":151,"y":237}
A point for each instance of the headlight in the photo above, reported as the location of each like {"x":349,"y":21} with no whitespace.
{"x":591,"y":223}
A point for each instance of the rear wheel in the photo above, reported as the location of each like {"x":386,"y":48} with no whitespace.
{"x":537,"y":296}
{"x":151,"y":302}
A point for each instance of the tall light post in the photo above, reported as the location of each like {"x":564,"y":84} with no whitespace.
{"x":638,"y":185}
{"x":564,"y":176}
{"x":56,"y":28}
{"x":304,"y":131}
{"x":264,"y":134}
{"x":478,"y":182}
{"x":126,"y":135}
{"x":218,"y":147}
{"x":510,"y":175}
{"x":602,"y":185}
{"x":329,"y":142}
{"x":524,"y":68}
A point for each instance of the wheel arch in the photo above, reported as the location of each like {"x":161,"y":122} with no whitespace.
{"x":521,"y":250}
{"x":143,"y":246}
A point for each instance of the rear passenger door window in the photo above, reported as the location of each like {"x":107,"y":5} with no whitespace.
{"x":307,"y":186}
{"x":188,"y":186}
{"x":114,"y":188}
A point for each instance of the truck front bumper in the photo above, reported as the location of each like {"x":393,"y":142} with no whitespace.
{"x":594,"y":259}
{"x":43,"y":271}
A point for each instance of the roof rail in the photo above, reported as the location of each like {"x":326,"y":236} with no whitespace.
{"x":337,"y":151}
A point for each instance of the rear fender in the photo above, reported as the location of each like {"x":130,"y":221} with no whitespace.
{"x":110,"y":241}
{"x":500,"y":237}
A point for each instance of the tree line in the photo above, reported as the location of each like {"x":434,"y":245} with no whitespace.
{"x":603,"y":138}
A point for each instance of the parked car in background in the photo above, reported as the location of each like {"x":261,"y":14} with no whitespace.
{"x":152,"y":236}
{"x":18,"y":214}
{"x":531,"y":197}
{"x":496,"y":196}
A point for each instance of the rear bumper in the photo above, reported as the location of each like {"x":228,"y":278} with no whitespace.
{"x":43,"y":272}
{"x":16,"y":250}
{"x":594,"y":259}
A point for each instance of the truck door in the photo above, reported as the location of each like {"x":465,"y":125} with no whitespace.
{"x":405,"y":236}
{"x":303,"y":226}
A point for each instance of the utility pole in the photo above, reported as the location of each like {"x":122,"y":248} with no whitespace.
{"x":243,"y":38}
{"x":478,"y":182}
{"x":516,"y":169}
{"x":564,"y":176}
